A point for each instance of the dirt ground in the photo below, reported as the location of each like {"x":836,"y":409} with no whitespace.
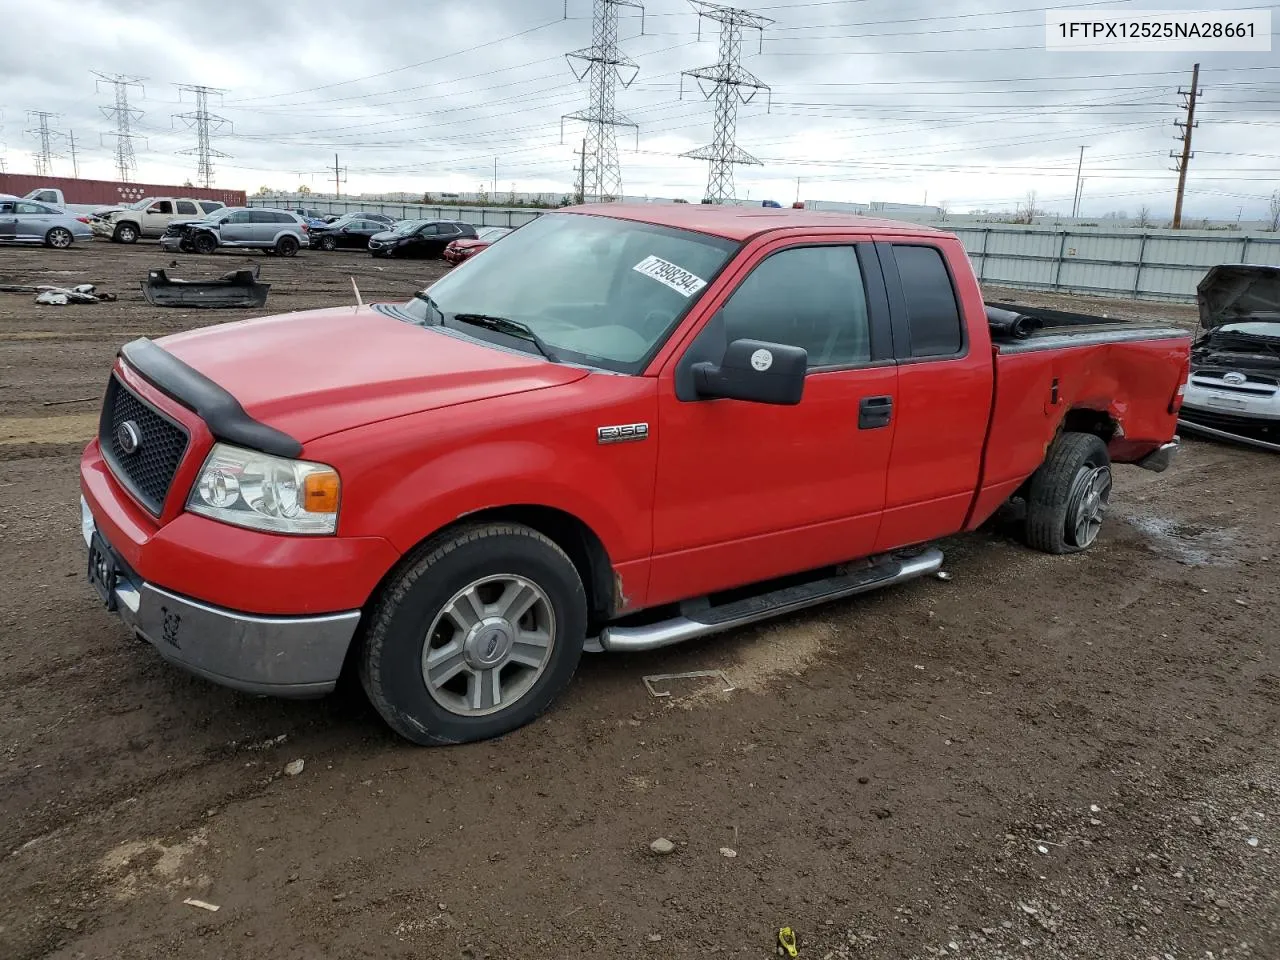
{"x":1039,"y":757}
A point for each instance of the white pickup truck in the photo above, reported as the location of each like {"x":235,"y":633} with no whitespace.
{"x":150,"y":217}
{"x":55,"y":197}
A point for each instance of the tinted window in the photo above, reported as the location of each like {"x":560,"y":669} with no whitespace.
{"x":240,"y":216}
{"x":430,"y":230}
{"x":283,"y":218}
{"x":186,"y":206}
{"x":6,"y":206}
{"x":26,"y":206}
{"x":208,"y":206}
{"x":810,"y":297}
{"x":932,"y":312}
{"x":164,"y":206}
{"x":46,"y":196}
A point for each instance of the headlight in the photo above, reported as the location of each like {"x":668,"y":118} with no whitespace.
{"x":251,"y":489}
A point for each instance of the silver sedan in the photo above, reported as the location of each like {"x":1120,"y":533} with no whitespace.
{"x":25,"y":221}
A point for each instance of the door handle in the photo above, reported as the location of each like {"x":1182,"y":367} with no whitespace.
{"x":874,"y":412}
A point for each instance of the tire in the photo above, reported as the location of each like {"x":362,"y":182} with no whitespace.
{"x":60,"y":238}
{"x":125,"y":233}
{"x":287,"y":246}
{"x":1068,"y":495}
{"x":327,"y":243}
{"x":204,"y":244}
{"x":414,"y":615}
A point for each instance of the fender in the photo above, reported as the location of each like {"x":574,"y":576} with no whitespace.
{"x":410,"y":476}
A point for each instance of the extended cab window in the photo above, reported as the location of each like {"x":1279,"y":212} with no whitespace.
{"x":186,"y":207}
{"x":810,"y":297}
{"x":932,"y":312}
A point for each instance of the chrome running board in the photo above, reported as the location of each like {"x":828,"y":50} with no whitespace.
{"x":700,"y":619}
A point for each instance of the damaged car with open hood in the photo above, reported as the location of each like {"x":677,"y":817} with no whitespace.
{"x":1234,"y":389}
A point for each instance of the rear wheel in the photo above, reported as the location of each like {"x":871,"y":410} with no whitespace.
{"x":475,"y":636}
{"x":1068,"y":495}
{"x":328,"y":243}
{"x":126,"y":233}
{"x":287,"y":246}
{"x":205,"y":244}
{"x":59,"y":238}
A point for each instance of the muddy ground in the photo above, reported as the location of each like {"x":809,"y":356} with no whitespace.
{"x":1040,"y":757}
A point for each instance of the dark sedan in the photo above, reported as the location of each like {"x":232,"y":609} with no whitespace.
{"x":351,"y":232}
{"x":423,"y":239}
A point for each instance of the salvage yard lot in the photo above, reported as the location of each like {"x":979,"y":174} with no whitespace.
{"x":1040,"y":757}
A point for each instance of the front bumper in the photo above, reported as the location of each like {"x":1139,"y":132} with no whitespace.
{"x":1238,"y":415}
{"x":276,"y":655}
{"x":171,"y":244}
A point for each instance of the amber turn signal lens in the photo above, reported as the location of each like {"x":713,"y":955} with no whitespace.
{"x":320,"y":492}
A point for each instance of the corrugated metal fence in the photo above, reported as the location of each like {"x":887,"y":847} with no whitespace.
{"x":1151,"y":264}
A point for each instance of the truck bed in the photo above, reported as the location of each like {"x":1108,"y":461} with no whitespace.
{"x":1017,"y":328}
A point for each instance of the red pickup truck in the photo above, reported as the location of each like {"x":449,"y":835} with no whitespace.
{"x":622,"y":427}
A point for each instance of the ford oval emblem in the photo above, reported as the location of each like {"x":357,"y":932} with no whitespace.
{"x":1235,"y":378}
{"x":129,"y":437}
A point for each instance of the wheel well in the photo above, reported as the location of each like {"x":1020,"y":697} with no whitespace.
{"x":1097,"y":422}
{"x":576,"y":539}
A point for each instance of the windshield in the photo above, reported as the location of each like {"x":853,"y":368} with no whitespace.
{"x":603,"y":291}
{"x":408,"y":226}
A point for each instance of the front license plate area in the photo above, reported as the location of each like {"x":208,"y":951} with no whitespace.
{"x":102,"y":570}
{"x":1227,"y":403}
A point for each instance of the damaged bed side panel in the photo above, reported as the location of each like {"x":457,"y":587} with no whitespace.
{"x":240,"y":288}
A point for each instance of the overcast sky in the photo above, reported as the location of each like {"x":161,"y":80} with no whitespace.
{"x":893,"y":100}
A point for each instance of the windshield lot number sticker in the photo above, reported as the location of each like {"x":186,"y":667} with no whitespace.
{"x":762,"y":360}
{"x":677,"y":278}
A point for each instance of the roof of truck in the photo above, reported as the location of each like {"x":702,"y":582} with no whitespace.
{"x":741,"y":223}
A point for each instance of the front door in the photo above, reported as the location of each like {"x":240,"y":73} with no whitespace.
{"x":237,"y":227}
{"x":8,"y":221}
{"x":749,"y":491}
{"x":155,"y":220}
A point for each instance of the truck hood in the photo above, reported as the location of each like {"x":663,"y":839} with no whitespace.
{"x":323,"y":371}
{"x":1233,"y":292}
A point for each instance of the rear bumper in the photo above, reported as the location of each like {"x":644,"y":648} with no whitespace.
{"x":1158,"y":460}
{"x":277,"y":655}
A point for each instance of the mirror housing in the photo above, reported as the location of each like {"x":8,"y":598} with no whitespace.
{"x":755,"y":371}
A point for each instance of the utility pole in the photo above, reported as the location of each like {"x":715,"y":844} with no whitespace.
{"x":124,"y":115}
{"x":797,"y":189}
{"x":339,"y":177}
{"x":495,"y":179}
{"x":75,"y":162}
{"x":1075,"y":203}
{"x":1186,"y":127}
{"x":605,"y":65}
{"x":44,"y":156}
{"x":204,"y":122}
{"x":731,"y":84}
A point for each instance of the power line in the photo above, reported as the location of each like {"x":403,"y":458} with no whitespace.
{"x":204,"y":123}
{"x":731,"y":83}
{"x":605,"y":66}
{"x":45,"y":155}
{"x":124,"y":116}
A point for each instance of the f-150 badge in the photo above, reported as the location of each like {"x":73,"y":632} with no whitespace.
{"x":622,"y":433}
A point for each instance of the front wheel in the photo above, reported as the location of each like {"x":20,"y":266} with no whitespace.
{"x":475,"y":636}
{"x":126,"y":233}
{"x":204,"y":244}
{"x":59,"y":238}
{"x":1068,"y":496}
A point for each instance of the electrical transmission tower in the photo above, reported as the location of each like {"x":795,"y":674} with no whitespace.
{"x":124,"y":116}
{"x":204,"y":123}
{"x":606,"y":66}
{"x":731,"y":84}
{"x":1183,"y":157}
{"x":44,"y":156}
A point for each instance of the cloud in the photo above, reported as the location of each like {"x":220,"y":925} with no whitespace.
{"x":871,"y":100}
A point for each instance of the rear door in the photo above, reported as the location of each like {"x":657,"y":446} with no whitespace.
{"x":8,"y":221}
{"x":187,"y":208}
{"x":945,"y":394}
{"x":749,"y":491}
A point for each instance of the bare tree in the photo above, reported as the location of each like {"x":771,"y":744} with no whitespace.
{"x":1027,"y":212}
{"x":1273,"y":219}
{"x":1144,"y":216}
{"x":944,"y":207}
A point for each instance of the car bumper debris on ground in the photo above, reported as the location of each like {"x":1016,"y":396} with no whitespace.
{"x":959,"y":769}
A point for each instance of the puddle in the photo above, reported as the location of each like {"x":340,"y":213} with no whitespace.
{"x":1192,"y":544}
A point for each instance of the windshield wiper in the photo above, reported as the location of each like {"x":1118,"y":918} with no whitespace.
{"x":513,"y":328}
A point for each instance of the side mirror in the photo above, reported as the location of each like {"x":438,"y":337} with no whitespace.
{"x":756,"y":371}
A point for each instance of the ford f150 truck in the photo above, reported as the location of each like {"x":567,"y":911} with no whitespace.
{"x":623,"y":427}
